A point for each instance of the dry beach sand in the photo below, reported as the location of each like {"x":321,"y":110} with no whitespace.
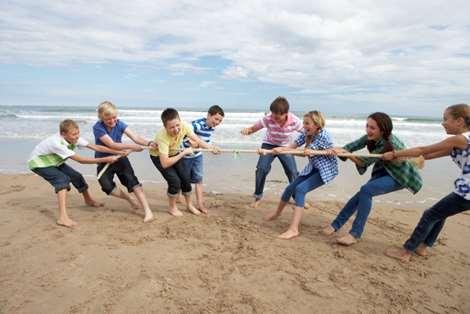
{"x":227,"y":262}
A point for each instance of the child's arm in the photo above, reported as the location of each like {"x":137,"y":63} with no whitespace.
{"x":108,"y":141}
{"x":139,"y":139}
{"x":88,"y":160}
{"x":104,"y":149}
{"x":193,"y":137}
{"x":252,"y":129}
{"x":354,"y":159}
{"x":440,"y":149}
{"x":167,"y":161}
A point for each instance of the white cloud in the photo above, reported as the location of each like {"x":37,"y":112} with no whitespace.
{"x":396,"y":48}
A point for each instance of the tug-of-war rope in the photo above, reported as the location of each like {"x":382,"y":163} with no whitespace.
{"x":419,"y":161}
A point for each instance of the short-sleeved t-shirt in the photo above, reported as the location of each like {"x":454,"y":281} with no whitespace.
{"x":53,"y":151}
{"x":170,"y":145}
{"x":276,"y":134}
{"x":99,"y":129}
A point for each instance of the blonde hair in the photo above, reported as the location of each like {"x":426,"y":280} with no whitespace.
{"x":67,"y":125}
{"x":106,"y":108}
{"x":460,"y":111}
{"x":318,"y":119}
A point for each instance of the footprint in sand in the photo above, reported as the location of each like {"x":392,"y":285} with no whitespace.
{"x":13,"y":189}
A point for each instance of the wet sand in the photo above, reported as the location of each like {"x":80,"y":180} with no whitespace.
{"x":227,"y":262}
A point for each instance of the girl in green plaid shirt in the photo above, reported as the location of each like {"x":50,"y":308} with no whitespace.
{"x":387,"y":176}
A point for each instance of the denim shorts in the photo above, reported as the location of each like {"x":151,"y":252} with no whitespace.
{"x":61,"y":176}
{"x":195,"y":168}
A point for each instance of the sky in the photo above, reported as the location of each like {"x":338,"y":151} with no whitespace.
{"x":400,"y":57}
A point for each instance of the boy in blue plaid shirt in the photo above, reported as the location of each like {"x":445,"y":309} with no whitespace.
{"x":193,"y":164}
{"x":320,"y":170}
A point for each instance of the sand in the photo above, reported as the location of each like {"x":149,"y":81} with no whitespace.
{"x":227,"y":262}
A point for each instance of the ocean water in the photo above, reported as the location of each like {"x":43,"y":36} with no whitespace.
{"x":21,"y":128}
{"x":39,"y":122}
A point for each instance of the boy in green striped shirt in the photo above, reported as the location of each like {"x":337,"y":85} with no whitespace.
{"x":48,"y":161}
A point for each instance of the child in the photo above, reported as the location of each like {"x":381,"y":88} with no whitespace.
{"x":108,"y":131}
{"x":193,"y":164}
{"x":456,"y":122}
{"x":281,"y":125}
{"x":320,"y":170}
{"x":167,"y":158}
{"x":48,"y":161}
{"x":386,"y":176}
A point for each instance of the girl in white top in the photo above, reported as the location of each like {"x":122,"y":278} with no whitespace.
{"x":456,"y":122}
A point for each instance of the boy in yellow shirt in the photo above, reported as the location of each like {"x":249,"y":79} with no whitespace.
{"x":167,"y":158}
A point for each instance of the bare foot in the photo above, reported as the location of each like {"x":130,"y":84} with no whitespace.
{"x":66,"y":222}
{"x":203,"y":209}
{"x":398,"y":253}
{"x":328,"y":230}
{"x":94,"y":203}
{"x":255,"y":204}
{"x":422,"y":250}
{"x":289,"y":234}
{"x":193,"y":210}
{"x":175,"y":212}
{"x":272,"y":216}
{"x":148,"y":216}
{"x":346,"y":240}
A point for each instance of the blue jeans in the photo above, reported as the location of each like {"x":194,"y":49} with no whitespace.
{"x":194,"y":168}
{"x":361,"y":202}
{"x":301,"y":186}
{"x":433,"y":219}
{"x":264,"y":166}
{"x":61,"y":176}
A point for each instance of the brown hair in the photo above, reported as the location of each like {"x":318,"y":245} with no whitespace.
{"x":318,"y":119}
{"x":169,"y":114}
{"x":216,"y":110}
{"x":67,"y":125}
{"x":460,"y":111}
{"x":279,"y":105}
{"x":384,"y":122}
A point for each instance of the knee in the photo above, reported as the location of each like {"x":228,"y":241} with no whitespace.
{"x":365,"y":191}
{"x":107,"y":186}
{"x":174,"y":186}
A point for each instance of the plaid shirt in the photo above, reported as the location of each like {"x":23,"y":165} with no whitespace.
{"x":327,"y":165}
{"x":403,"y":172}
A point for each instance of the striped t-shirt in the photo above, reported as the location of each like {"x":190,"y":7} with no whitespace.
{"x":276,"y":134}
{"x":203,"y":131}
{"x":53,"y":151}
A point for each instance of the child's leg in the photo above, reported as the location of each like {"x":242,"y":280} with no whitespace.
{"x":289,"y":165}
{"x":311,"y":182}
{"x":174,"y":185}
{"x":186,"y":188}
{"x":286,"y":195}
{"x":378,"y":186}
{"x":61,"y":183}
{"x":200,"y":197}
{"x":64,"y":219}
{"x":197,"y":170}
{"x":450,"y":205}
{"x":78,"y":181}
{"x":262,"y":169}
{"x":109,"y":187}
{"x":89,"y":200}
{"x":139,"y":193}
{"x":119,"y":193}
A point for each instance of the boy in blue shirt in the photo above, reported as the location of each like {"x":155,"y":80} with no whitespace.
{"x":193,"y":164}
